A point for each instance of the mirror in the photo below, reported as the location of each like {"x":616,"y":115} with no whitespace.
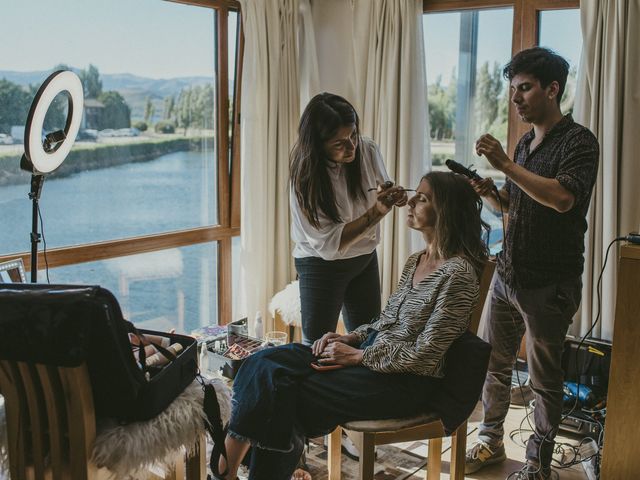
{"x":12,"y":272}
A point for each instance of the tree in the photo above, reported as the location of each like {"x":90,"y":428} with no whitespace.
{"x":487,"y":100}
{"x":568,"y":97}
{"x":149,"y":110}
{"x":91,"y":82}
{"x":442,"y":110}
{"x":56,"y":116}
{"x":169,"y":105}
{"x":116,"y":112}
{"x":184,"y":109}
{"x":14,"y":105}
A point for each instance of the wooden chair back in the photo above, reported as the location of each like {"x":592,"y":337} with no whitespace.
{"x":49,"y":414}
{"x":51,"y":425}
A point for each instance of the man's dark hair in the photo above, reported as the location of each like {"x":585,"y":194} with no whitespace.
{"x":543,"y":64}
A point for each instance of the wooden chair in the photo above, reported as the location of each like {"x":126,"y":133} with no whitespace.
{"x":51,"y":425}
{"x":367,"y":434}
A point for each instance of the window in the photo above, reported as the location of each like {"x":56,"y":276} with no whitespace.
{"x":560,"y":31}
{"x":465,"y":51}
{"x":467,"y":95}
{"x":143,"y":204}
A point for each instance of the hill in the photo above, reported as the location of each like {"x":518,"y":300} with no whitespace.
{"x":133,"y":88}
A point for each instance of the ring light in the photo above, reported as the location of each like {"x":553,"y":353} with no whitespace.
{"x":44,"y":156}
{"x":39,"y":159}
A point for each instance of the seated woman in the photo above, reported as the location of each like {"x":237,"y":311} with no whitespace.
{"x":391,"y":363}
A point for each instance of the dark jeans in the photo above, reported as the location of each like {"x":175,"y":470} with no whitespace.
{"x":543,"y":315}
{"x":278,"y":400}
{"x":326,"y":287}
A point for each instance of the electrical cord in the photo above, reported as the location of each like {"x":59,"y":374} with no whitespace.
{"x":577,"y":458}
{"x":563,"y":448}
{"x":44,"y":245}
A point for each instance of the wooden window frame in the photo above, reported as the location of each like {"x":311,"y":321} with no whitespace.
{"x":228,"y":185}
{"x":526,"y":29}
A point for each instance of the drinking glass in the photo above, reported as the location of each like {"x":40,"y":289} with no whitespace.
{"x":275,"y":338}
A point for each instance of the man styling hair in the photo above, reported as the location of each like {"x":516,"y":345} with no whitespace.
{"x":537,"y":285}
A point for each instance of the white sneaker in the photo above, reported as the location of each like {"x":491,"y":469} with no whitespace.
{"x":348,"y":447}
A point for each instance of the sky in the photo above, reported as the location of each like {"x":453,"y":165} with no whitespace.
{"x":559,"y":30}
{"x":122,"y":36}
{"x":150,"y":38}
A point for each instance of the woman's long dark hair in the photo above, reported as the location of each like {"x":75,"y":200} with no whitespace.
{"x":459,"y":227}
{"x":325,"y":114}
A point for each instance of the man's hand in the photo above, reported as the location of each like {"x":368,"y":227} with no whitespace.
{"x":319,"y":345}
{"x":484,"y":187}
{"x":492,"y":149}
{"x":339,"y":353}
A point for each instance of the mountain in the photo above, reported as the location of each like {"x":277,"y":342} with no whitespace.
{"x":133,"y":88}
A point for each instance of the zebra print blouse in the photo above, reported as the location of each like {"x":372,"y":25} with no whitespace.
{"x":419,"y":323}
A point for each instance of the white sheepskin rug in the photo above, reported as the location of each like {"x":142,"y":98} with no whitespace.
{"x":287,"y":303}
{"x":130,"y":451}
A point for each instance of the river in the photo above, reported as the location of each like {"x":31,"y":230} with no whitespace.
{"x":168,"y":289}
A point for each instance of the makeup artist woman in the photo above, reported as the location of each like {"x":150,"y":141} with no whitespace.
{"x":337,"y":196}
{"x":391,"y":365}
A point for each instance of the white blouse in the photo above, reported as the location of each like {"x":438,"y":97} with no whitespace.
{"x":324,"y":242}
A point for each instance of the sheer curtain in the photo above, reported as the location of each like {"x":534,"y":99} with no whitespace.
{"x":607,"y":102}
{"x":391,"y":87}
{"x":270,"y":113}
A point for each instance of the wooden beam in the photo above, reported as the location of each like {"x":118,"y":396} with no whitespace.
{"x":59,"y":257}
{"x":452,"y":5}
{"x":210,"y":3}
{"x":235,"y":150}
{"x":225,"y":281}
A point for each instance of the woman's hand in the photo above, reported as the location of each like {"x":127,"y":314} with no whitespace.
{"x":319,"y":345}
{"x":339,"y":353}
{"x":388,"y":197}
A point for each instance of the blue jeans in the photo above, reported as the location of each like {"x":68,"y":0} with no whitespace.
{"x":278,"y":400}
{"x":543,"y":315}
{"x":326,"y":287}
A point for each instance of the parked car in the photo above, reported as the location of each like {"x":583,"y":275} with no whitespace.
{"x":107,"y":132}
{"x":6,"y":139}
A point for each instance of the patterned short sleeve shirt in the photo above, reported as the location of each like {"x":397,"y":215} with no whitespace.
{"x":543,"y":246}
{"x":420,"y":322}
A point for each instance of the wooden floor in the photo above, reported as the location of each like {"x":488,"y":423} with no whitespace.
{"x":403,"y":461}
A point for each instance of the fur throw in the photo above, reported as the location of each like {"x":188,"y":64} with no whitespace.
{"x":287,"y":303}
{"x":129,"y":451}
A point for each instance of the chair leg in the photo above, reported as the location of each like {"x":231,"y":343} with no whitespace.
{"x":434,"y":459}
{"x":197,"y":462}
{"x":367,"y":455}
{"x":458,"y":452}
{"x":334,"y":453}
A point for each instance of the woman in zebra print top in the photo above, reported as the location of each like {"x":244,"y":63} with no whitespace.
{"x":393,"y":362}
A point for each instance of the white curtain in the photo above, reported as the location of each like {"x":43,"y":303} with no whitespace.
{"x":270,"y":113}
{"x":391,"y":87}
{"x":607,"y":102}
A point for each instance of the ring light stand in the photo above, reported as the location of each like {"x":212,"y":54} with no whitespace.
{"x":44,"y":156}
